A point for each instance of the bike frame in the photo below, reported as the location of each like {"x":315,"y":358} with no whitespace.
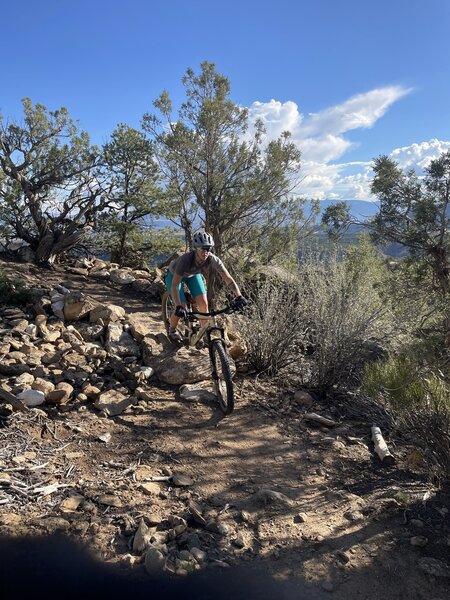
{"x":209,"y":328}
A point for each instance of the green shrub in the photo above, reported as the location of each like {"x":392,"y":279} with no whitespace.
{"x":396,"y":380}
{"x":14,"y":291}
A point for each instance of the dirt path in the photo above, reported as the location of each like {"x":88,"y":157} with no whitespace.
{"x":273,"y":491}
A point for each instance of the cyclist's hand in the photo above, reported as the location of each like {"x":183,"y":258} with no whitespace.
{"x":240,"y":302}
{"x":180,"y":311}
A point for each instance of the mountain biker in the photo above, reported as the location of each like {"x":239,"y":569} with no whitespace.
{"x":187,"y":269}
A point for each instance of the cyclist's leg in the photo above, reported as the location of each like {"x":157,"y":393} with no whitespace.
{"x":168,"y":280}
{"x":198,"y":291}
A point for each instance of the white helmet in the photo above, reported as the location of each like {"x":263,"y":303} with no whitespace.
{"x":201,"y":239}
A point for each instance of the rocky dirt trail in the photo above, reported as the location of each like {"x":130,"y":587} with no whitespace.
{"x":170,"y":482}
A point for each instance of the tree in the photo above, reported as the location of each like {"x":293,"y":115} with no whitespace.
{"x":413,"y":211}
{"x":213,"y":162}
{"x":52,"y":185}
{"x":135,"y":196}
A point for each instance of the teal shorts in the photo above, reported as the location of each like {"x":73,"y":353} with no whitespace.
{"x":194,"y":283}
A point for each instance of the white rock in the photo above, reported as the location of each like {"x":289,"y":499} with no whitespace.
{"x":32,"y":397}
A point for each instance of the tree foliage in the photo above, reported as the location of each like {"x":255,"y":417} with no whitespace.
{"x":416,"y":212}
{"x":135,"y":196}
{"x":51,"y":185}
{"x":216,"y":164}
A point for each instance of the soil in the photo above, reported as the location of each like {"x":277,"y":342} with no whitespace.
{"x":274,"y":491}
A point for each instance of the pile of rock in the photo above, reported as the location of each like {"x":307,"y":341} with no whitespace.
{"x":68,"y":348}
{"x":149,"y":282}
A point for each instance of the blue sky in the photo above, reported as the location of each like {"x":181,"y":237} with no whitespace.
{"x":350,"y":79}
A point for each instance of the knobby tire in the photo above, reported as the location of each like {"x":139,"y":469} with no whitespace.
{"x":224,"y":383}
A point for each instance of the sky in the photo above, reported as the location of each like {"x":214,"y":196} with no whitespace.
{"x":350,"y":79}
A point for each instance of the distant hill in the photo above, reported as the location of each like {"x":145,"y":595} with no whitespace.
{"x":361,"y":209}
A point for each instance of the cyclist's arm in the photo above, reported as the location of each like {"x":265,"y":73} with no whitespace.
{"x":230,"y":282}
{"x":175,"y":289}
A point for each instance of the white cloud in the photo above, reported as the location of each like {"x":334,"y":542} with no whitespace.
{"x":321,"y":139}
{"x":358,"y":112}
{"x":420,"y":155}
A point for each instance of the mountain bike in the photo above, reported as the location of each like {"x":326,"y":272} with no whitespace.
{"x":211,"y":335}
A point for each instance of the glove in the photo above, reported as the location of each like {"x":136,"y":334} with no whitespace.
{"x":239,"y":302}
{"x":180,"y":311}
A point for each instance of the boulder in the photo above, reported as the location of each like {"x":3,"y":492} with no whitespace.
{"x":185,"y":366}
{"x":107,"y":313}
{"x":120,"y":342}
{"x":76,"y":306}
{"x":112,"y":402}
{"x":121,"y":276}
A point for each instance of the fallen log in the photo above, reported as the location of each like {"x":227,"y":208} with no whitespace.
{"x":13,"y":400}
{"x":381,"y":447}
{"x":319,"y":420}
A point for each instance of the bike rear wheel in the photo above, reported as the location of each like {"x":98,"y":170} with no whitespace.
{"x":223,"y":381}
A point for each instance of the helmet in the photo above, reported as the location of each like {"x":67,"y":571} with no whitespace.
{"x":201,"y":238}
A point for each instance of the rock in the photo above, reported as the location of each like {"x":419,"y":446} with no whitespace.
{"x":181,"y":480}
{"x":43,"y":386}
{"x":71,"y":503}
{"x":141,"y":285}
{"x":151,"y":349}
{"x":153,"y":519}
{"x":100,"y":274}
{"x":302,"y":398}
{"x":32,"y":397}
{"x":121,"y":276}
{"x":434,"y":567}
{"x":90,"y":332}
{"x":107,"y":313}
{"x":353,"y":515}
{"x":92,"y":392}
{"x":112,"y":402}
{"x":192,"y":393}
{"x":61,"y":394}
{"x":98,"y":266}
{"x":154,"y":560}
{"x":417,"y":523}
{"x":141,"y":274}
{"x":138,"y":329}
{"x":76,"y":306}
{"x":419,"y":541}
{"x":199,"y":555}
{"x":25,"y":378}
{"x":141,"y":538}
{"x":120,"y":342}
{"x":185,"y":366}
{"x":150,"y":488}
{"x":239,"y":541}
{"x":266,"y":496}
{"x":302,"y":517}
{"x":109,"y":500}
{"x":58,"y":309}
{"x":327,"y":586}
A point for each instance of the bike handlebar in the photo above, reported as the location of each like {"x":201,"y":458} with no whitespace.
{"x":214,"y":313}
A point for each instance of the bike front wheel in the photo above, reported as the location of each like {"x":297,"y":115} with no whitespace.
{"x":221,"y":372}
{"x":167,"y":308}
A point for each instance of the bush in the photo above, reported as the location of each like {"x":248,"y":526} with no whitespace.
{"x":342,"y":306}
{"x":420,"y":399}
{"x":274,"y":332}
{"x":14,"y":292}
{"x":396,"y":381}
